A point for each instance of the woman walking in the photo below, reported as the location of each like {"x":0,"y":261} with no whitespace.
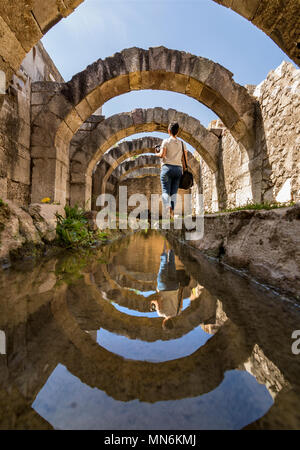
{"x":171,"y":152}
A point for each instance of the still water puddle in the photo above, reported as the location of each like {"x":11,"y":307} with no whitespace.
{"x":144,"y":334}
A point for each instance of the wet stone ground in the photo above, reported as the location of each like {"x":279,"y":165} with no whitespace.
{"x":144,"y":334}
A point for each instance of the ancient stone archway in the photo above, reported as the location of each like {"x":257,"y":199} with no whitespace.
{"x":112,"y":161}
{"x":147,"y":169}
{"x":140,"y":173}
{"x":139,"y":166}
{"x":23,"y":25}
{"x":128,"y":172}
{"x":278,"y":19}
{"x":158,"y":68}
{"x":87,"y":147}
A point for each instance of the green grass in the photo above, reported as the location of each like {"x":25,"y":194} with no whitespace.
{"x":255,"y":206}
{"x":2,"y":203}
{"x":72,"y":231}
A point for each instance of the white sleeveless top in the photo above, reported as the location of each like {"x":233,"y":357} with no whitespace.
{"x":174,"y":151}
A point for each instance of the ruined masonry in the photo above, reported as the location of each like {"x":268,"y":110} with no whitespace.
{"x":55,"y":142}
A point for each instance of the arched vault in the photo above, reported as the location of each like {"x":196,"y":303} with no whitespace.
{"x":64,"y":107}
{"x":23,"y":24}
{"x":87,"y":148}
{"x":113,"y":163}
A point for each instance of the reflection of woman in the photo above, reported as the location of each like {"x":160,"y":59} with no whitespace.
{"x":170,"y":294}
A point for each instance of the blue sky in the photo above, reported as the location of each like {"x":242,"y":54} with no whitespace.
{"x":99,"y":28}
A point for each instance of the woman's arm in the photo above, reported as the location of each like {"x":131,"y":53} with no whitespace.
{"x":162,"y":153}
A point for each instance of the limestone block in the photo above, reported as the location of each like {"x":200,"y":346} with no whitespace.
{"x":24,"y":133}
{"x":47,"y":87}
{"x":8,"y":73}
{"x":3,"y":163}
{"x":20,"y":171}
{"x":84,"y":110}
{"x":44,"y":219}
{"x":11,"y":49}
{"x":35,"y":111}
{"x":46,"y":14}
{"x":136,"y":60}
{"x":45,"y":136}
{"x":24,"y":107}
{"x":21,"y":21}
{"x":40,"y":98}
{"x":246,"y":8}
{"x":77,"y":195}
{"x":59,"y":105}
{"x":3,"y":187}
{"x":77,"y":178}
{"x":43,"y":179}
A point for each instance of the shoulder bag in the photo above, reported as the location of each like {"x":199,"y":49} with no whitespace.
{"x":187,"y":179}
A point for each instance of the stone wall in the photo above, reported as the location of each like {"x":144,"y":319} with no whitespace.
{"x":270,"y":172}
{"x":15,"y":160}
{"x":279,"y":97}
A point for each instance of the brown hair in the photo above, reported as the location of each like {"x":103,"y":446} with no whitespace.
{"x":173,"y":128}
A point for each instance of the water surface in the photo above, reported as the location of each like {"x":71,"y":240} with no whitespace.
{"x":144,"y":334}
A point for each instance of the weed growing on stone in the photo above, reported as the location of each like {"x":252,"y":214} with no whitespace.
{"x":72,"y":231}
{"x":254,"y":206}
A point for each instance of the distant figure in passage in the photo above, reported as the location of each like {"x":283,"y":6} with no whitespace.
{"x":171,"y":153}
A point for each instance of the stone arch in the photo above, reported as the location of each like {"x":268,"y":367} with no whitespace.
{"x":158,"y":68}
{"x":277,"y":19}
{"x":87,"y":148}
{"x":113,"y":161}
{"x":140,"y":165}
{"x":141,"y":172}
{"x":24,"y":25}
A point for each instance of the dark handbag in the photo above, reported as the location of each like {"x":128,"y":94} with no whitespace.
{"x":187,"y":179}
{"x":182,"y":277}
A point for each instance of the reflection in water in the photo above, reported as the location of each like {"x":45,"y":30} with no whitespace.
{"x":69,"y":404}
{"x":169,"y":288}
{"x":144,"y":334}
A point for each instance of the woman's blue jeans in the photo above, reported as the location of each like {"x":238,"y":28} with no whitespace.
{"x":167,"y":275}
{"x":170,"y":178}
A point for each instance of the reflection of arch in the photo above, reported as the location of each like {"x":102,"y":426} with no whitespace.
{"x":132,"y":69}
{"x":133,"y":279}
{"x":126,"y":380}
{"x":17,"y":414}
{"x":123,"y":294}
{"x":111,"y":162}
{"x":241,"y":301}
{"x":93,"y":312}
{"x":86,"y":153}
